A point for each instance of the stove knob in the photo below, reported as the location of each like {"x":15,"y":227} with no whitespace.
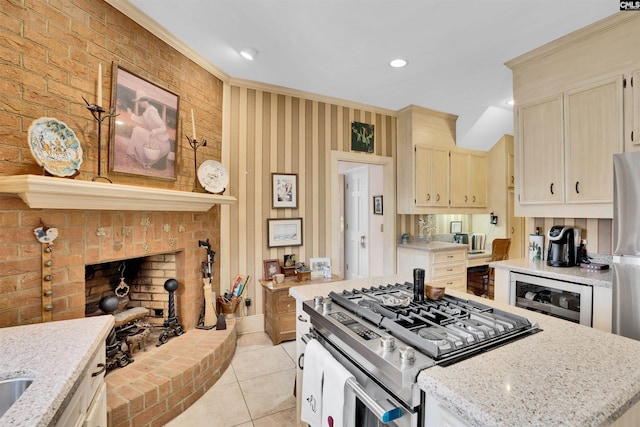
{"x":407,"y":355}
{"x":318,"y":301}
{"x":326,"y":304}
{"x":388,"y":343}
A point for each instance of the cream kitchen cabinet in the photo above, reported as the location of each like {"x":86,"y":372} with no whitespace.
{"x":431,"y":165}
{"x":566,"y":150}
{"x":468,"y":179}
{"x":425,"y":138}
{"x":443,"y":267}
{"x":501,"y":196}
{"x":576,"y":105}
{"x":593,"y":133}
{"x":541,"y":160}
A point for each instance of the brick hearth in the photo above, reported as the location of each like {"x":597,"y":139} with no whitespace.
{"x":164,"y":381}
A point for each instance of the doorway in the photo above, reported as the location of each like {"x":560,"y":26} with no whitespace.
{"x":382,"y":259}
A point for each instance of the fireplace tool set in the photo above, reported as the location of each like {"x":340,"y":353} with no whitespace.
{"x":208,"y":319}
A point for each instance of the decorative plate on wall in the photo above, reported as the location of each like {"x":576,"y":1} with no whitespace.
{"x":55,"y":146}
{"x":213,"y":176}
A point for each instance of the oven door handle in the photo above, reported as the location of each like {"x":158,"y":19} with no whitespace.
{"x":385,"y":414}
{"x":385,"y":411}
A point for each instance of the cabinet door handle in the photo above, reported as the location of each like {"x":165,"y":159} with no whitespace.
{"x":302,"y":319}
{"x":551,"y":188}
{"x":437,"y":197}
{"x":512,"y":180}
{"x":474,"y":199}
{"x":428,"y":197}
{"x":513,"y":230}
{"x":466,"y":199}
{"x":102,"y":366}
{"x":577,"y":184}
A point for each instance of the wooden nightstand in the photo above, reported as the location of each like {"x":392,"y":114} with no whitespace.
{"x":280,"y":309}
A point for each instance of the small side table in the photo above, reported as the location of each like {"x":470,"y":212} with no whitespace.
{"x":279,"y":307}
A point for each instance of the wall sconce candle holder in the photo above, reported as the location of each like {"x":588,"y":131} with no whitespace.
{"x":194,"y":144}
{"x":97,"y":113}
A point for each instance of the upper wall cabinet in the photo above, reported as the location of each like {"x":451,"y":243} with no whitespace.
{"x":576,"y":105}
{"x":434,"y":176}
{"x":468,"y":179}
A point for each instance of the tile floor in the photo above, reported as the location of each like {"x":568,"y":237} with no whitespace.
{"x":255,"y":391}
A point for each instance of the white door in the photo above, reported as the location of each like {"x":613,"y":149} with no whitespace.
{"x":356,"y":227}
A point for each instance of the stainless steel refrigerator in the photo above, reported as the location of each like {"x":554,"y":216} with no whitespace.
{"x":626,"y":245}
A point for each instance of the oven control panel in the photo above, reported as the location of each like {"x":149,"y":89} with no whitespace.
{"x":355,"y":326}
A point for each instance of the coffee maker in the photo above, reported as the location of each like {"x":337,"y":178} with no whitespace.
{"x":563,"y":246}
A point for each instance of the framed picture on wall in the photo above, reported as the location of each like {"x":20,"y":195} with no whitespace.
{"x":143,"y":135}
{"x":284,"y":190}
{"x":362,"y":137}
{"x":456,"y":227}
{"x":283,"y":232}
{"x":377,"y":205}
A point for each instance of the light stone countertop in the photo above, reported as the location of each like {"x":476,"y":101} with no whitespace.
{"x":579,"y":275}
{"x":55,"y":355}
{"x":567,"y":374}
{"x":433,"y":246}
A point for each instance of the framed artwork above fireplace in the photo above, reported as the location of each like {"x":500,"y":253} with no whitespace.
{"x":143,"y":134}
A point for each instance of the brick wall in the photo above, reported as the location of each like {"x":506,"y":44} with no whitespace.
{"x":49,"y":55}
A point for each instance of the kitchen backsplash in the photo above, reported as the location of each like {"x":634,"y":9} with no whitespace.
{"x":597,"y":231}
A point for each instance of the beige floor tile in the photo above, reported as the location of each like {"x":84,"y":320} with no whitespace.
{"x":269,"y":394}
{"x":255,"y":363}
{"x":253,"y":341}
{"x":286,"y":418}
{"x":290,"y":348}
{"x":228,"y":376}
{"x":222,"y":406}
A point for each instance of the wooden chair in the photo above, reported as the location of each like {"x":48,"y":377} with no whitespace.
{"x":480,"y":280}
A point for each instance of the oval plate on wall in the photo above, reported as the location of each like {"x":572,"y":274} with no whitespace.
{"x":55,"y":146}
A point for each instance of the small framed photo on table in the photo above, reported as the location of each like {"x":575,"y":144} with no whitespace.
{"x":456,"y":226}
{"x":320,"y":267}
{"x":270,"y":267}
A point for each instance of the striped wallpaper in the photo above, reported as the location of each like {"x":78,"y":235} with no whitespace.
{"x":267,"y":133}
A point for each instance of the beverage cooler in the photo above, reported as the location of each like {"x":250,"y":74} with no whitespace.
{"x":565,"y":300}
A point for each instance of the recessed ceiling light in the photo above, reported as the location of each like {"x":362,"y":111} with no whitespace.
{"x":248,"y":53}
{"x":398,"y":63}
{"x":510,"y":102}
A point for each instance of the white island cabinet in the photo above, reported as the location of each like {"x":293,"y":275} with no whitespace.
{"x":566,"y":374}
{"x":66,"y":360}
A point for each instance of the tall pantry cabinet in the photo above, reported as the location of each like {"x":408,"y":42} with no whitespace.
{"x":576,"y":105}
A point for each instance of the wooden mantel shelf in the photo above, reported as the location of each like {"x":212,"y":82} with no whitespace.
{"x":46,"y":192}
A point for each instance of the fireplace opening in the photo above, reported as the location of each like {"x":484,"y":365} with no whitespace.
{"x":137,"y":282}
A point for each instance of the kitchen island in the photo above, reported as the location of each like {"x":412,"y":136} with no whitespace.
{"x":566,"y":374}
{"x":56,"y":355}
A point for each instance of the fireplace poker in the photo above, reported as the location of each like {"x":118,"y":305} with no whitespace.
{"x":208,"y":318}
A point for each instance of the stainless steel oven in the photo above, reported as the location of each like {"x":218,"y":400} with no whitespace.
{"x":566,"y":300}
{"x":385,"y":336}
{"x":375,"y":406}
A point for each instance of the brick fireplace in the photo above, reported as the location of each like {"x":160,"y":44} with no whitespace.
{"x":96,"y":236}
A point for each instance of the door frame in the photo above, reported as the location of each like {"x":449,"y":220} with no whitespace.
{"x":389,"y":221}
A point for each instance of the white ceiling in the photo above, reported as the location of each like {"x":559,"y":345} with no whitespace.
{"x":341,"y":48}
